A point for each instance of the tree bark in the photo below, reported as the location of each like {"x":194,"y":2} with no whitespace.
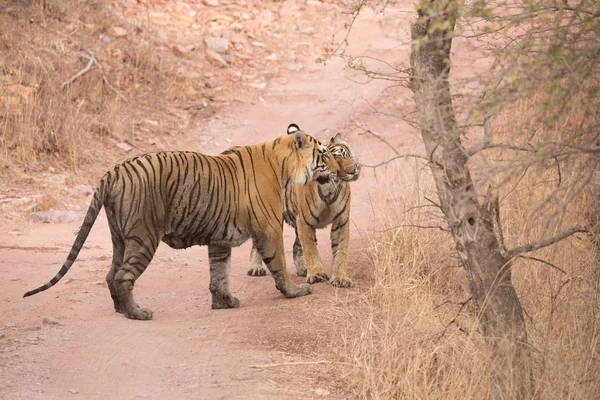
{"x":488,"y":271}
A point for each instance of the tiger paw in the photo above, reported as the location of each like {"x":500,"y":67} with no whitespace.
{"x":220,"y":302}
{"x":318,"y":277}
{"x":341,"y":282}
{"x":297,"y":291}
{"x":260,"y":271}
{"x":300,"y":270}
{"x":142,"y":314}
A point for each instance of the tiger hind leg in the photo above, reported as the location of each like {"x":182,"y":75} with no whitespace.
{"x":256,"y":268}
{"x":219,"y":260}
{"x":117,"y":262}
{"x":138,"y":254}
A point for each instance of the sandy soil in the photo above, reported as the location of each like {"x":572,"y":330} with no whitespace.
{"x":189,"y":350}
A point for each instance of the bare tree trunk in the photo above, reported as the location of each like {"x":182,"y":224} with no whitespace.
{"x":488,"y":272}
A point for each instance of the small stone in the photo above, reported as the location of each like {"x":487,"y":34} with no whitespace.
{"x":50,"y":321}
{"x":216,"y":44}
{"x":124,"y":146}
{"x":34,"y":328}
{"x":210,"y":83}
{"x":9,"y":325}
{"x":257,"y":44}
{"x":73,"y":391}
{"x":216,"y":58}
{"x":271,"y":57}
{"x":211,"y":3}
{"x":54,"y":216}
{"x":2,"y":335}
{"x":179,"y":50}
{"x":150,"y":122}
{"x":117,"y":31}
{"x":322,"y":392}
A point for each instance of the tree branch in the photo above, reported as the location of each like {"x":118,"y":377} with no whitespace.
{"x":80,"y":73}
{"x":543,"y":243}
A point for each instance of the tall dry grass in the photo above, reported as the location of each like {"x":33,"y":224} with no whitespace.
{"x":408,"y":336}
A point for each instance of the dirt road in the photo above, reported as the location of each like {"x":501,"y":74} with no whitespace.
{"x":68,"y":342}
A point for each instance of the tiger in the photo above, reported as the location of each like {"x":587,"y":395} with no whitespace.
{"x":186,"y":198}
{"x":314,"y":206}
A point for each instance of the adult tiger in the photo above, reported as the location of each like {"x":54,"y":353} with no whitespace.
{"x":186,"y":199}
{"x":314,"y":206}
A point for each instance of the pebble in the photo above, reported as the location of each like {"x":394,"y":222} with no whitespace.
{"x":73,"y":391}
{"x":216,"y":44}
{"x":50,"y":321}
{"x":216,"y":58}
{"x":322,"y":392}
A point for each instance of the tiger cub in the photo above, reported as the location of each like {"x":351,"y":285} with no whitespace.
{"x":314,"y":206}
{"x":186,"y":199}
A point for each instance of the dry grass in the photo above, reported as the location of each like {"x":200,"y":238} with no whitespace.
{"x":44,"y":123}
{"x":409,"y":337}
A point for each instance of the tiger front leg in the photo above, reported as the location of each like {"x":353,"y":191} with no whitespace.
{"x":340,"y":238}
{"x":270,"y":247}
{"x":219,"y":260}
{"x":256,"y":268}
{"x":308,"y":241}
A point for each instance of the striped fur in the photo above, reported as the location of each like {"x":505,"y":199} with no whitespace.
{"x":315,"y":206}
{"x":186,"y":199}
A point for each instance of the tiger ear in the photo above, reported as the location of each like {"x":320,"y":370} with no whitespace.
{"x":337,"y":138}
{"x":292,"y":128}
{"x":300,"y":138}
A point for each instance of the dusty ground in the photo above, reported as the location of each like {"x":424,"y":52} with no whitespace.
{"x":189,"y":350}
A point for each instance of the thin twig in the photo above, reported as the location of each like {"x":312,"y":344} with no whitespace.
{"x":412,"y":226}
{"x":105,"y":79}
{"x":392,"y":159}
{"x":80,"y":73}
{"x":293,"y":364}
{"x":543,"y":262}
{"x":544,"y":243}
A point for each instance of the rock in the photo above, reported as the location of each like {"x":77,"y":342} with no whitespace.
{"x":259,"y":84}
{"x":117,"y":31}
{"x":322,"y":392}
{"x":211,"y":3}
{"x":257,"y":44}
{"x":216,"y":44}
{"x":2,"y":335}
{"x":9,"y":324}
{"x":124,"y":146}
{"x":179,"y":50}
{"x":73,"y":391}
{"x":271,"y":57}
{"x":54,"y":216}
{"x":150,"y":122}
{"x":210,"y":83}
{"x":34,"y":328}
{"x":50,"y":321}
{"x":216,"y":58}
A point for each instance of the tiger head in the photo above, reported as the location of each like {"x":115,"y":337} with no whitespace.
{"x":312,"y":159}
{"x":348,"y":167}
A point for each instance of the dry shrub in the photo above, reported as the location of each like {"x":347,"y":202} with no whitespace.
{"x":403,"y":344}
{"x":407,"y":335}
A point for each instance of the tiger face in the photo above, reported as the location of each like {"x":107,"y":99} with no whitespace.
{"x":348,"y":169}
{"x":313,"y":160}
